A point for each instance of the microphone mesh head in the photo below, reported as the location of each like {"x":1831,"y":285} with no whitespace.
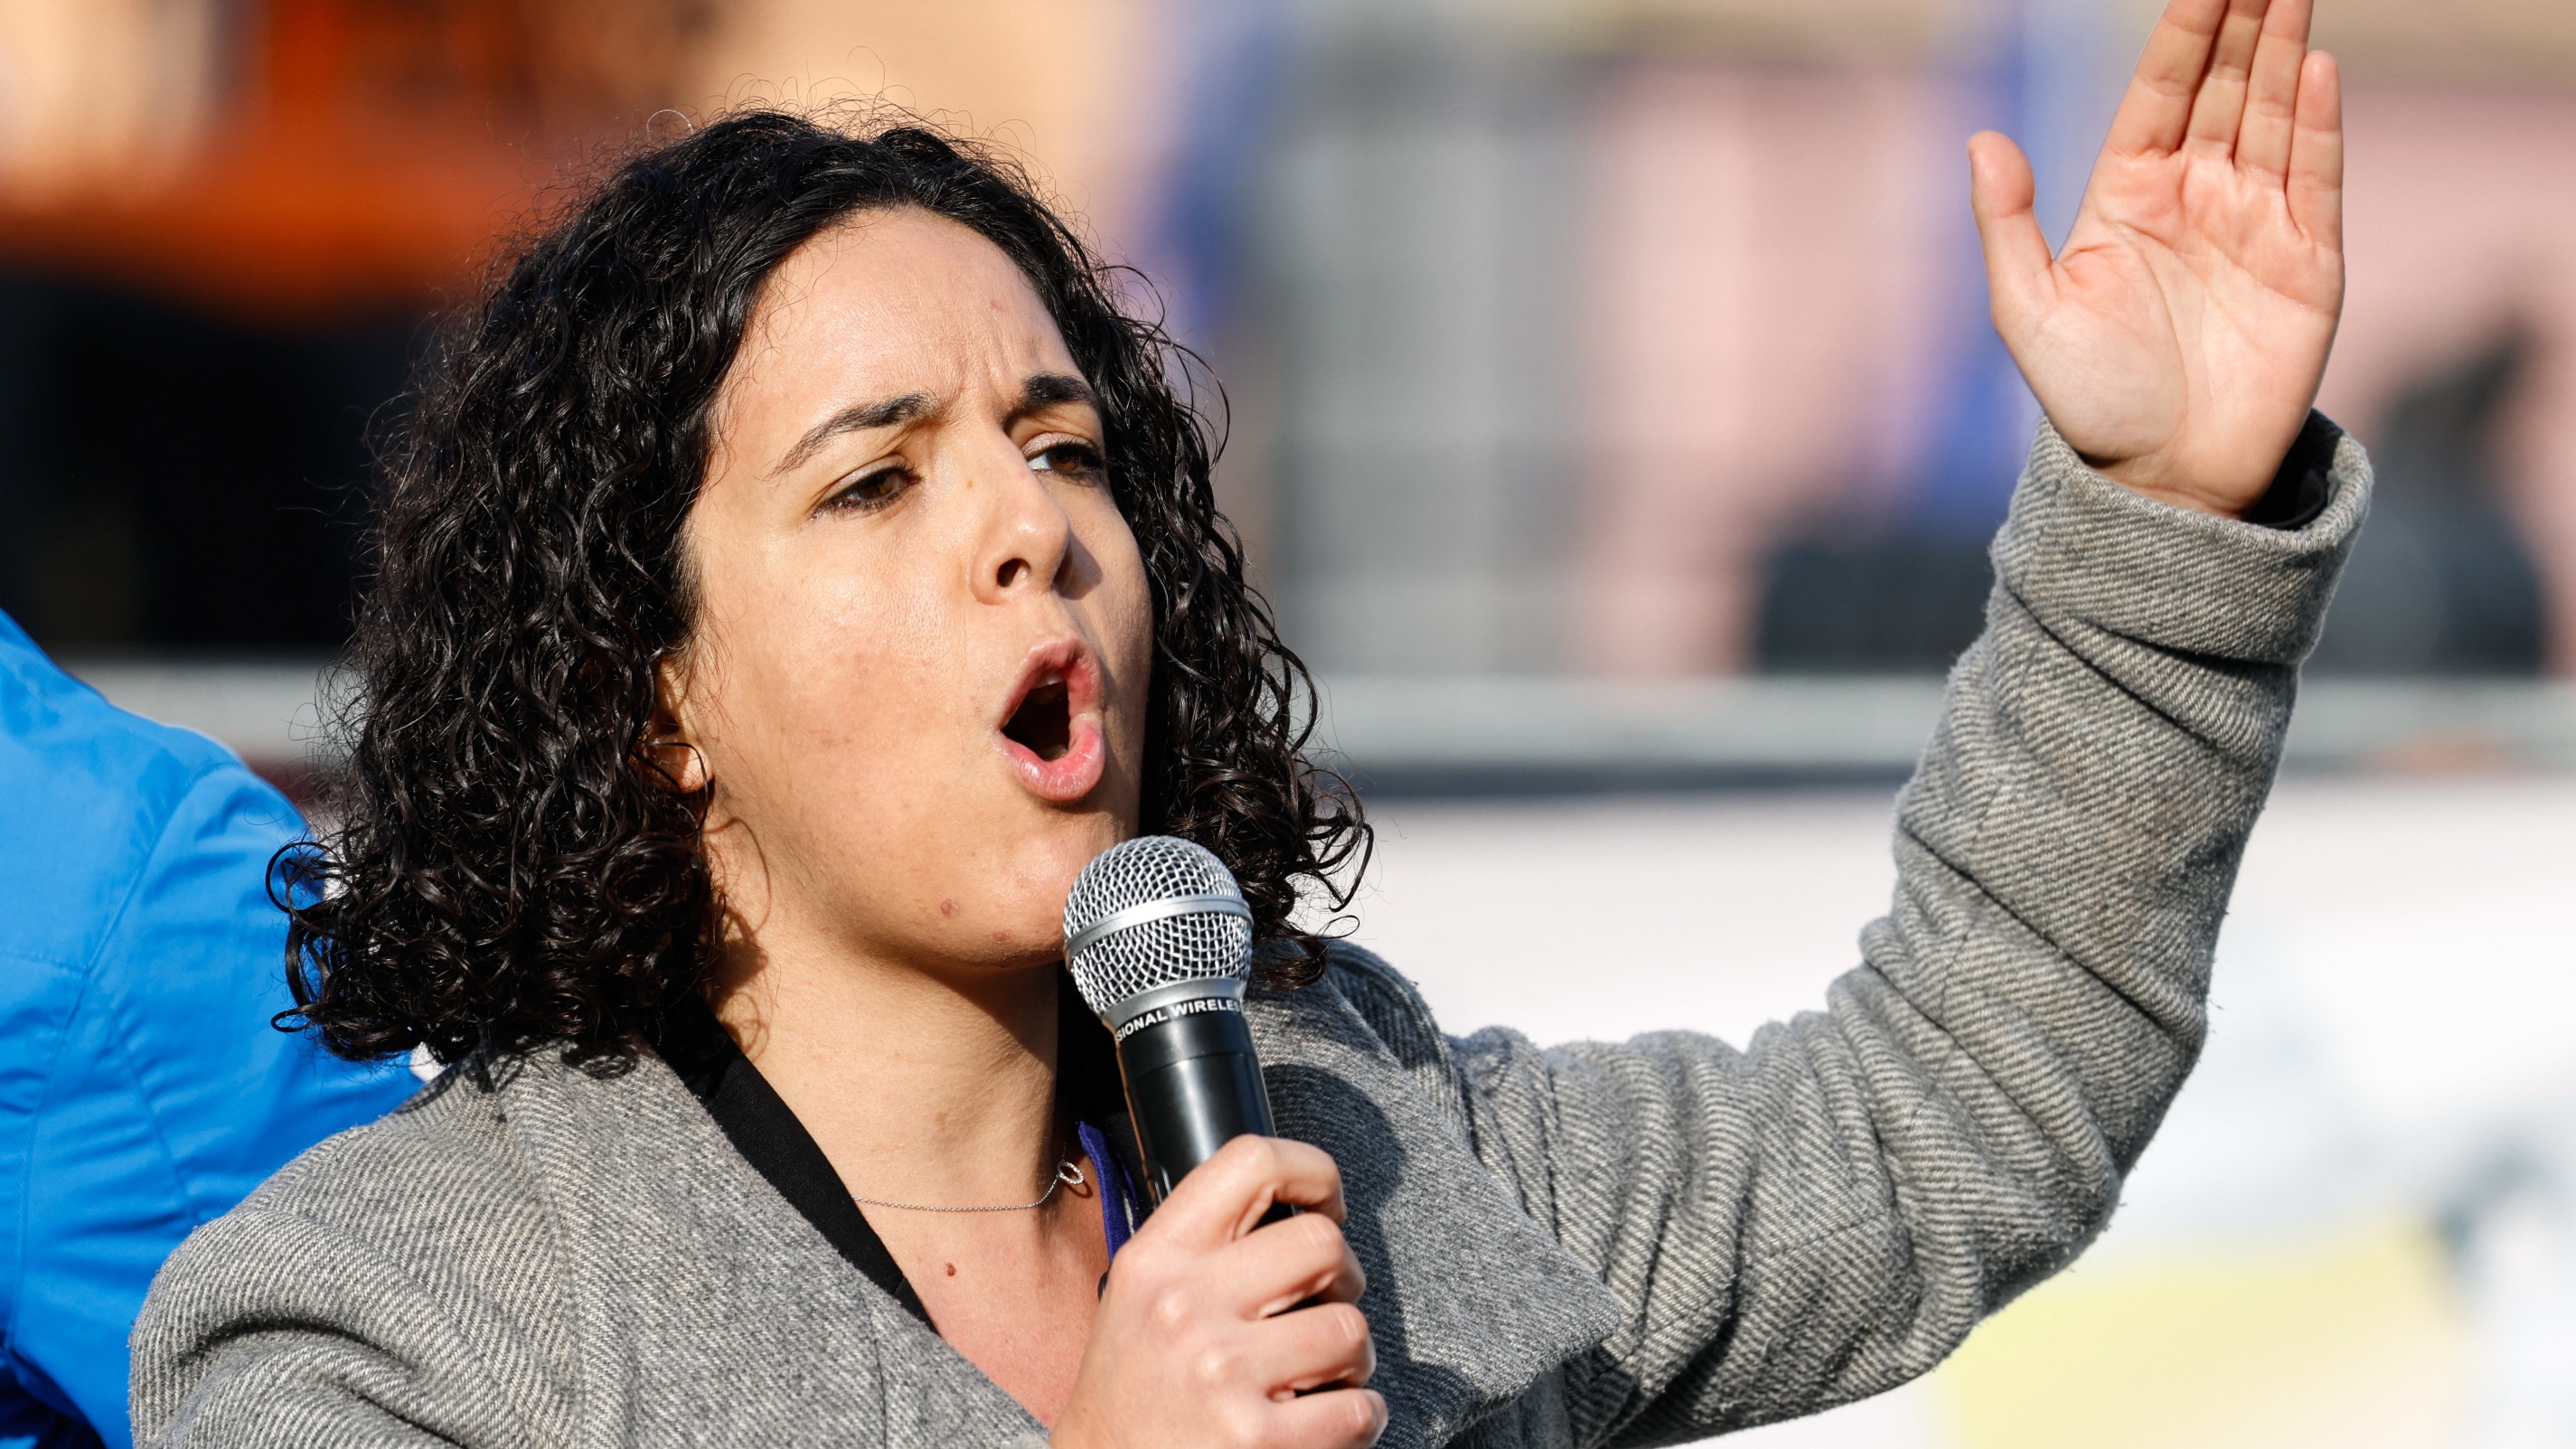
{"x":1194,"y":946}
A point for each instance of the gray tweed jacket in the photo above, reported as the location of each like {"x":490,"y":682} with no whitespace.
{"x":1636,"y":1243}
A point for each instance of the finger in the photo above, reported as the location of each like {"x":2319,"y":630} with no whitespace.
{"x":1342,"y":1419}
{"x":2156,"y":110}
{"x":1277,"y":1267}
{"x":2220,"y":107}
{"x":1225,"y":1197}
{"x":2316,"y":152}
{"x":1346,"y":1280}
{"x":2000,"y":191}
{"x":2272,"y":91}
{"x":1312,"y":1347}
{"x":1350,"y":1280}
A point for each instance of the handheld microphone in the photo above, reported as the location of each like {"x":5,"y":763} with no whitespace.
{"x":1159,"y":941}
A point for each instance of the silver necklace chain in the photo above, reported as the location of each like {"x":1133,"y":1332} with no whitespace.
{"x":1067,"y":1174}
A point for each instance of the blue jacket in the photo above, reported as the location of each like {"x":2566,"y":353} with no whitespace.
{"x":142,"y":1089}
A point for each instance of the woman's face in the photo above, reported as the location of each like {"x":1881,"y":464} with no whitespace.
{"x":918,"y":674}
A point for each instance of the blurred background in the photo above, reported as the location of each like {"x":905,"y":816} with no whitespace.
{"x":1615,"y":421}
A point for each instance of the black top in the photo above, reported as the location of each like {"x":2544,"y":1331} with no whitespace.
{"x":2303,"y":486}
{"x":767,"y":1134}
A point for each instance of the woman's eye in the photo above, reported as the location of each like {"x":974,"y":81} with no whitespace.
{"x":1079,"y":460}
{"x":870,"y":492}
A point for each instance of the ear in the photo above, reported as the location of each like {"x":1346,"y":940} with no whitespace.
{"x":668,"y":754}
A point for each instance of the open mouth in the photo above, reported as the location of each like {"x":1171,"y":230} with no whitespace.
{"x":1043,"y":724}
{"x":1051,"y":737}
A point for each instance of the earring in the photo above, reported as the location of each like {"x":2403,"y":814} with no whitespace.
{"x":706,"y":775}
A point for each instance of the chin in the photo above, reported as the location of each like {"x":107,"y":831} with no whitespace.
{"x":1016,"y":917}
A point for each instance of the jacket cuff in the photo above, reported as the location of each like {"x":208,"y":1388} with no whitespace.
{"x":2080,"y":549}
{"x":2305,"y":483}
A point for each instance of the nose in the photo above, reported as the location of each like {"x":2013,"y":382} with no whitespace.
{"x":1028,"y":537}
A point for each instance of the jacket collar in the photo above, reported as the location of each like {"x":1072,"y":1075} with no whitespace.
{"x":1471,"y":1302}
{"x":706,"y":1309}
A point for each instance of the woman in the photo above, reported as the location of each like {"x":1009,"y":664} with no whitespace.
{"x":802,"y":568}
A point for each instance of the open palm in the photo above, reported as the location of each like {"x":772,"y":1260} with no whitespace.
{"x":2178,"y":339}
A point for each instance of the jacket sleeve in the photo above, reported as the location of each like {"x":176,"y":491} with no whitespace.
{"x":1826,"y":1213}
{"x":271,"y":1329}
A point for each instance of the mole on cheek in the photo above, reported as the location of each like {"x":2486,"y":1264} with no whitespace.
{"x":952,"y":1270}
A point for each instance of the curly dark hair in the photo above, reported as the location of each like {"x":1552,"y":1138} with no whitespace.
{"x":505,"y":873}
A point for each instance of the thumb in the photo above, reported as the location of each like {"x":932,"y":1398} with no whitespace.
{"x":2000,"y":191}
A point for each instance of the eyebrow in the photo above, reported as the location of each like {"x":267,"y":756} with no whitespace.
{"x":885,"y":412}
{"x":1042,"y":390}
{"x":1048,"y":389}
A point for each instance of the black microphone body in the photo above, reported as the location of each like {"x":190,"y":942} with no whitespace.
{"x":1193,"y":1085}
{"x":1159,"y":941}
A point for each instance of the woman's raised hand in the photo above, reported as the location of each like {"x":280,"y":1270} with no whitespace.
{"x":1201,"y":1339}
{"x":2178,"y":339}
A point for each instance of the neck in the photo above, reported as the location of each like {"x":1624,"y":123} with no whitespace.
{"x":920,"y":1087}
